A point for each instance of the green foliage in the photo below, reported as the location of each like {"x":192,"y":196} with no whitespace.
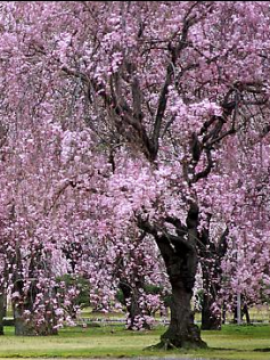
{"x":120,"y":296}
{"x":148,"y":288}
{"x":8,"y":322}
{"x":167,"y":300}
{"x":153,"y":289}
{"x":83,"y":299}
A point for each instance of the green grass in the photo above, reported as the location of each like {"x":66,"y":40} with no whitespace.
{"x":232,"y":342}
{"x":257,"y":313}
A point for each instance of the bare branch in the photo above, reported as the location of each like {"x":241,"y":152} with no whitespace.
{"x":162,"y":102}
{"x":204,"y":173}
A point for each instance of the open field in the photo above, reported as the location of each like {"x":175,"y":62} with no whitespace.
{"x":258,"y":314}
{"x":233,"y":342}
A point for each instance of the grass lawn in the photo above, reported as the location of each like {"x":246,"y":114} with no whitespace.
{"x":257,"y":314}
{"x":232,"y":342}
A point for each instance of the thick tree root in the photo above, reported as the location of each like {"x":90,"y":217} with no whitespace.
{"x":163,"y":345}
{"x":166,"y":344}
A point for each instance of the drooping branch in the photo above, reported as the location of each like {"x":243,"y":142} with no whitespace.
{"x":206,"y":171}
{"x":214,"y":136}
{"x":162,"y":101}
{"x":223,"y":244}
{"x":176,"y":223}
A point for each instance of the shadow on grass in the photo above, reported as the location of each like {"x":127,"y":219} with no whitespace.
{"x":263,"y":349}
{"x":266,"y":349}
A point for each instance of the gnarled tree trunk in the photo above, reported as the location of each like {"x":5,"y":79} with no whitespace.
{"x":210,"y":320}
{"x":3,"y":300}
{"x":182,"y":331}
{"x":211,"y":257}
{"x":180,"y":257}
{"x":3,"y":290}
{"x":25,"y":300}
{"x":131,"y":300}
{"x":26,"y":326}
{"x":244,"y":311}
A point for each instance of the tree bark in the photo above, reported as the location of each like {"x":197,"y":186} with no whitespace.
{"x":3,"y":300}
{"x":180,"y":257}
{"x":246,"y":313}
{"x":131,"y":300}
{"x":182,"y":331}
{"x":3,"y":295}
{"x":25,"y":301}
{"x":20,"y":327}
{"x":27,"y":326}
{"x":211,"y":257}
{"x":210,"y":321}
{"x":224,"y":312}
